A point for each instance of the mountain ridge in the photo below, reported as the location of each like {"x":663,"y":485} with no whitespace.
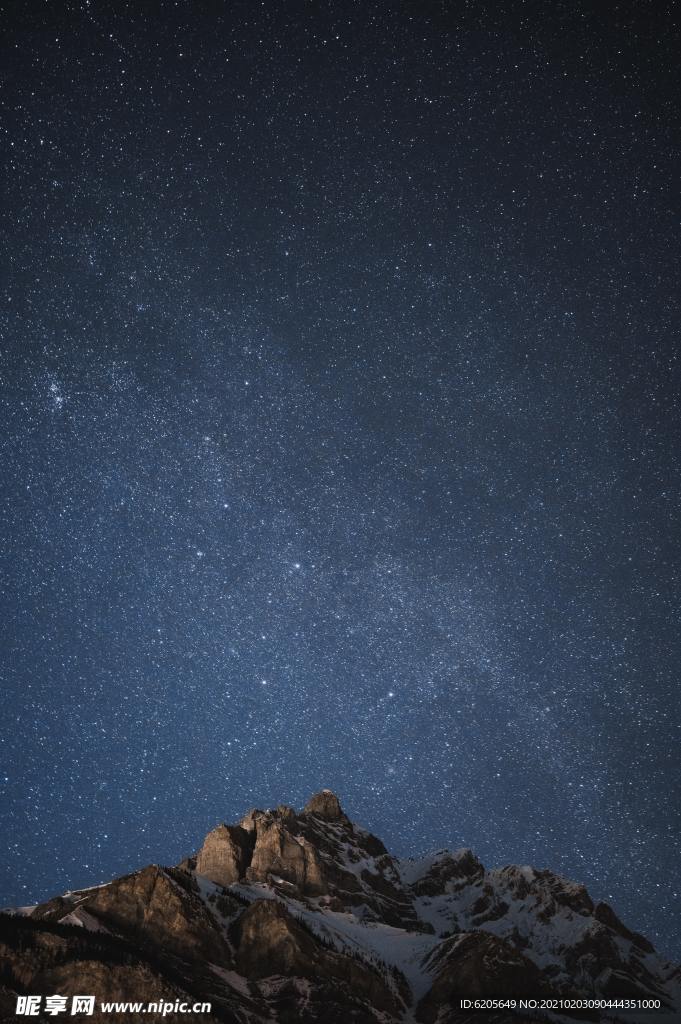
{"x":291,"y":916}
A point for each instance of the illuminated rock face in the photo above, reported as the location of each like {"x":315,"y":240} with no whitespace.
{"x":225,"y":854}
{"x":325,"y":805}
{"x":305,"y":916}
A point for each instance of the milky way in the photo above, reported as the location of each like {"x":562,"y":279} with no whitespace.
{"x":340,"y":434}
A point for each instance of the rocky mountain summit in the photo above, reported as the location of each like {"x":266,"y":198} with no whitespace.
{"x":304,"y":916}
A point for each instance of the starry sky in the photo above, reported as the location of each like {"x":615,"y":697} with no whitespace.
{"x":340,"y":433}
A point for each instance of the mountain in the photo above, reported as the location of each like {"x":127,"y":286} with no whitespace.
{"x":305,"y":917}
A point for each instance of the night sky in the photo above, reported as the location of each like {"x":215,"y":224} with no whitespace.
{"x":340,"y":433}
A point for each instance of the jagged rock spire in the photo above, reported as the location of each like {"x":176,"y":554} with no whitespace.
{"x":325,"y":805}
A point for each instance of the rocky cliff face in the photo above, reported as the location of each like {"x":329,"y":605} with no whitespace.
{"x":302,"y":916}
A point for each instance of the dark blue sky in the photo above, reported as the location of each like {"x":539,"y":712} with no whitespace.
{"x":340,"y":433}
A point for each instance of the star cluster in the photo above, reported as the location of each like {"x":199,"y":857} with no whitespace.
{"x":340,"y":434}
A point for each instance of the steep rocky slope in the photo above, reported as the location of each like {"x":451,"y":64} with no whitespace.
{"x":303,"y":916}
